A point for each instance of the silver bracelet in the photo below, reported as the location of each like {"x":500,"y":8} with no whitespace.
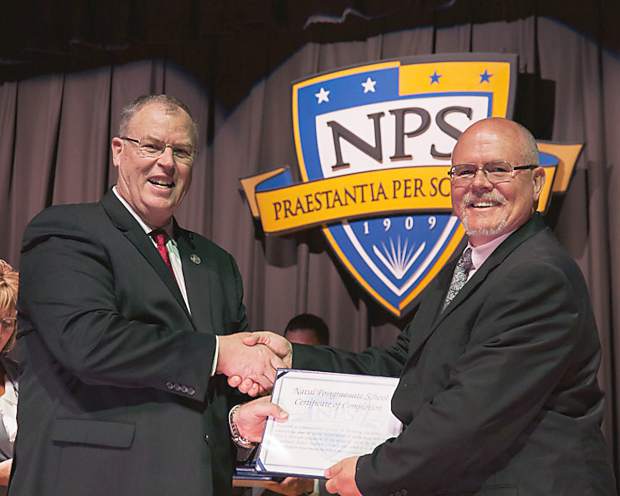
{"x":236,"y":436}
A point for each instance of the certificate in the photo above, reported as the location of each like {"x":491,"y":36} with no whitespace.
{"x":331,"y":416}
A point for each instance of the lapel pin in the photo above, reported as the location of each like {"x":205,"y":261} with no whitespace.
{"x":195,"y":258}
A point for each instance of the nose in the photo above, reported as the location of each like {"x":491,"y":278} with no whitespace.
{"x":481,"y":181}
{"x":166,"y":159}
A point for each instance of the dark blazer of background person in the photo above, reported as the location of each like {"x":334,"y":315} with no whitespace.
{"x":498,"y":393}
{"x":111,"y":401}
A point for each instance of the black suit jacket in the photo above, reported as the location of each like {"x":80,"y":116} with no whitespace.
{"x":116,"y":396}
{"x":498,"y":393}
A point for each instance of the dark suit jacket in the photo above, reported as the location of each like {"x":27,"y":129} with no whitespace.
{"x":498,"y":393}
{"x":116,"y":396}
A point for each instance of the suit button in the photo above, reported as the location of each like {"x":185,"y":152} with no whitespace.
{"x":191,"y":391}
{"x":184,"y":388}
{"x":404,"y":492}
{"x":169,"y":385}
{"x":207,"y":438}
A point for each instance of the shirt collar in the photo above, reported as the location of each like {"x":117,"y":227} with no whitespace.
{"x":479,"y":254}
{"x":146,"y":228}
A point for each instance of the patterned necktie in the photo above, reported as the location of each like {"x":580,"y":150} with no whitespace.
{"x":160,"y":238}
{"x":459,"y":278}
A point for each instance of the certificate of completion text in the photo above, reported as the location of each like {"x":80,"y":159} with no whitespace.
{"x":331,"y":416}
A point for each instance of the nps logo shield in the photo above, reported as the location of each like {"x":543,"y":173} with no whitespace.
{"x":373,"y":144}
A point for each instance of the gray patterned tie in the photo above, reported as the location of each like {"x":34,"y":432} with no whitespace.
{"x":459,"y":278}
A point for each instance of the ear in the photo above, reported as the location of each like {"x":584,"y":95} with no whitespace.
{"x":117,"y":148}
{"x":539,"y":181}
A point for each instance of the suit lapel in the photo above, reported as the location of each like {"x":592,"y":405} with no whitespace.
{"x":438,"y":294}
{"x":198,"y":273}
{"x":530,"y":228}
{"x":130,"y":228}
{"x":430,"y":308}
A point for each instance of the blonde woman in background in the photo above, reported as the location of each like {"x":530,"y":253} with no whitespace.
{"x":9,"y":283}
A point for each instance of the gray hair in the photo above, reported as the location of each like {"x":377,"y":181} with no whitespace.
{"x":170,"y":103}
{"x":530,"y":149}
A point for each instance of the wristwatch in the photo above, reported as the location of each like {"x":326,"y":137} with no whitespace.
{"x":235,"y":435}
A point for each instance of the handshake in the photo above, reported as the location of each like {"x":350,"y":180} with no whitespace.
{"x":250,"y":360}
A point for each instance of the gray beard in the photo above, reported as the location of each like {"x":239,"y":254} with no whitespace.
{"x":489,"y":231}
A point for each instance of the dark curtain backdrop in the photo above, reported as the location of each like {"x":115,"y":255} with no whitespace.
{"x":54,"y":148}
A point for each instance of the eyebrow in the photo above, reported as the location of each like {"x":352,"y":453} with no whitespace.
{"x":182,"y":143}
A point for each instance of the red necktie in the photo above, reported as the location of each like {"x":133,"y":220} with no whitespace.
{"x":160,"y":238}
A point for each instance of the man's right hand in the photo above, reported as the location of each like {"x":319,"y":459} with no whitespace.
{"x":276,"y":343}
{"x":282,"y":349}
{"x":252,"y":365}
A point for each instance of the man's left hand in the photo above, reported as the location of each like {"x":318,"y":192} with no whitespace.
{"x":342,"y":478}
{"x":251,"y":417}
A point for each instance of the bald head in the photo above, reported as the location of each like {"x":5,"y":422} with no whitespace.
{"x":517,"y":140}
{"x":488,"y":207}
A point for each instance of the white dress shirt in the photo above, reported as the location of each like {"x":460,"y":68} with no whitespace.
{"x":175,"y":261}
{"x":8,"y":408}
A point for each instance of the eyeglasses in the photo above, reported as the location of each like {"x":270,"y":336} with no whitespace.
{"x":152,"y":148}
{"x":496,"y":172}
{"x":7,"y":323}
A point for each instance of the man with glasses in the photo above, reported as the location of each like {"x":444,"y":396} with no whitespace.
{"x":129,"y":326}
{"x":498,"y":391}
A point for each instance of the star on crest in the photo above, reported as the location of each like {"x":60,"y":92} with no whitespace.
{"x":322,"y":96}
{"x":369,"y":85}
{"x":435,"y":77}
{"x":485,"y":77}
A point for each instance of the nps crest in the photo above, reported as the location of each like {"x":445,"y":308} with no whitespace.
{"x":373,"y":144}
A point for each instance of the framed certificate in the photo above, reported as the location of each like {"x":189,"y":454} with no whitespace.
{"x":331,"y":416}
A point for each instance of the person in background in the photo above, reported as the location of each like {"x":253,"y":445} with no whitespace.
{"x":307,"y":328}
{"x":9,"y":284}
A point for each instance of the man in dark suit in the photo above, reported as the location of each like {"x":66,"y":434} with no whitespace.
{"x":498,"y":392}
{"x":127,"y":323}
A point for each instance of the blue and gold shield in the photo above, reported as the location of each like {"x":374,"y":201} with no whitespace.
{"x":401,"y":115}
{"x":374,"y":143}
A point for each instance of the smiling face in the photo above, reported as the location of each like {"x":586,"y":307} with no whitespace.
{"x":154,"y":187}
{"x":488,"y":211}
